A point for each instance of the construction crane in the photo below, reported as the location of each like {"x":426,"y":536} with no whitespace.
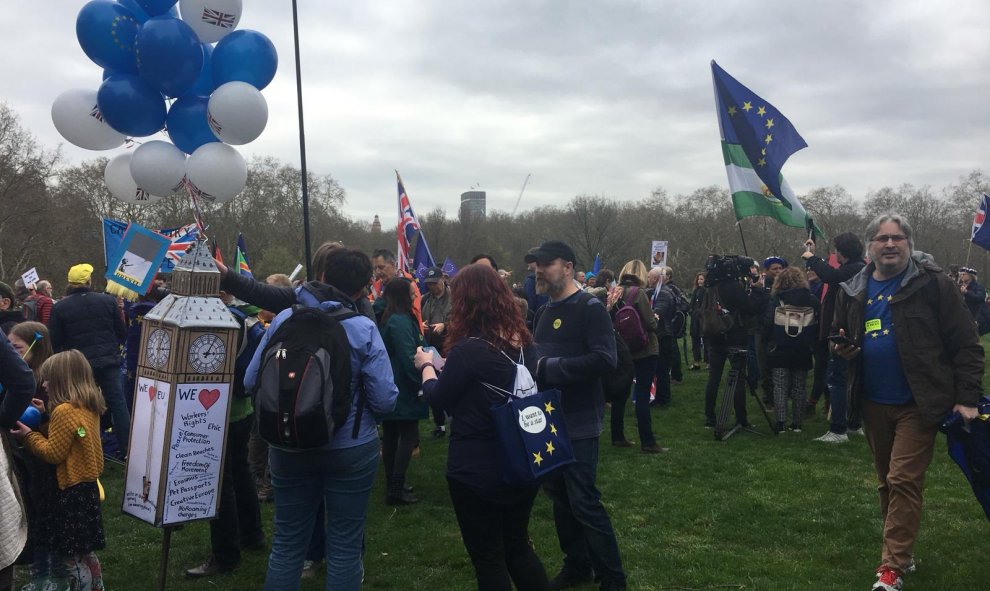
{"x":521,"y":191}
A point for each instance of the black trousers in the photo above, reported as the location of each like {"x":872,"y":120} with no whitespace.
{"x":717,"y":356}
{"x":495,"y":529}
{"x":398,"y":440}
{"x":238,"y":520}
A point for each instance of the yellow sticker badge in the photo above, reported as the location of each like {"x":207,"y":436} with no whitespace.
{"x":556,"y":324}
{"x":873,"y":325}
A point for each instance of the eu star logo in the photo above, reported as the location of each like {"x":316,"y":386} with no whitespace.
{"x":537,"y":458}
{"x":550,"y":448}
{"x":553,"y":428}
{"x":548,"y":406}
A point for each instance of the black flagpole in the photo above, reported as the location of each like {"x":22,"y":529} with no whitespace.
{"x":741,"y":237}
{"x":302,"y":145}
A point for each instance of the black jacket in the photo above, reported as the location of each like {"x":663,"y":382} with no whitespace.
{"x":831,"y":277}
{"x":794,"y":355}
{"x":90,"y":322}
{"x":19,"y":387}
{"x":745,"y":304}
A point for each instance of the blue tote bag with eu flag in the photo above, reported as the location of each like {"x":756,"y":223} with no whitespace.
{"x":530,"y":430}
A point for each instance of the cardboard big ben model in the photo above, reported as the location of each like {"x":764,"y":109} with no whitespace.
{"x":182,"y":399}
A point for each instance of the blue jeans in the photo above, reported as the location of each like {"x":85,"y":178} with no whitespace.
{"x":583,"y":526}
{"x":343,"y":479}
{"x":835,"y":380}
{"x":111,"y":384}
{"x":645,"y":370}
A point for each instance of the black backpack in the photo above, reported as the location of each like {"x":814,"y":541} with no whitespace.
{"x":304,"y":383}
{"x":682,"y":308}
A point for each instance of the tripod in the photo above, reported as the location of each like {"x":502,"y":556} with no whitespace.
{"x":737,"y":371}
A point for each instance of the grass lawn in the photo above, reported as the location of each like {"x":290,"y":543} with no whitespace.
{"x":755,"y":512}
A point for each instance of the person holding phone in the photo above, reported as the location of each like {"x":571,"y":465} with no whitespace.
{"x":914,"y":356}
{"x":848,"y":250}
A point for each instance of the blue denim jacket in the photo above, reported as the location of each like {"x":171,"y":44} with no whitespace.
{"x":370,"y":369}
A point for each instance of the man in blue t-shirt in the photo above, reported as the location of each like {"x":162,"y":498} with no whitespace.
{"x":914,"y":357}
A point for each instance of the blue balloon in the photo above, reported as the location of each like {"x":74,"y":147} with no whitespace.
{"x":107,"y":32}
{"x":131,"y":105}
{"x":31,"y":417}
{"x":204,"y":86}
{"x":188,"y":123}
{"x":157,"y":7}
{"x":245,"y":56}
{"x":139,"y":12}
{"x":169,"y":54}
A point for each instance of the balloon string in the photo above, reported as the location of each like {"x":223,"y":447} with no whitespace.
{"x":194,"y":203}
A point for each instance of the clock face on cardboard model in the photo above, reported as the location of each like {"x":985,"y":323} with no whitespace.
{"x":157,"y":352}
{"x":207,"y":352}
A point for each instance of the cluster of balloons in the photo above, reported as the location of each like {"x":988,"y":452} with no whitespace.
{"x":193,"y":75}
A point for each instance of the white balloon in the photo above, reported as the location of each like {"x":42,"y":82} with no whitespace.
{"x":121,"y":184}
{"x":237,"y":113}
{"x":77,"y":117}
{"x":218,"y":171}
{"x":212,"y":20}
{"x":158,"y":167}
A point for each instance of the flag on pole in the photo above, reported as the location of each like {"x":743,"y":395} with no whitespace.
{"x":449,"y":268}
{"x":754,"y":131}
{"x":243,"y":266}
{"x":216,"y":252}
{"x":598,"y":264}
{"x":408,"y":225}
{"x":981,"y":232}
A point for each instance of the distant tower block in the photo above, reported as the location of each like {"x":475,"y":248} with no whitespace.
{"x":376,"y":226}
{"x":473,"y":203}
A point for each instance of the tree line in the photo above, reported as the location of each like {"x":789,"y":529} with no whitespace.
{"x":52,"y":212}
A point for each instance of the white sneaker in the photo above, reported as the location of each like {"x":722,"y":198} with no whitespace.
{"x":830,"y":437}
{"x":855,"y":431}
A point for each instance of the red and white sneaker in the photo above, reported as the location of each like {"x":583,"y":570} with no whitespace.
{"x":888,"y":579}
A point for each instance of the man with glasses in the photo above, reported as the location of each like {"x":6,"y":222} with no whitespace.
{"x":914,"y":356}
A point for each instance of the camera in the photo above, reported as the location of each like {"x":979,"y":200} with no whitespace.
{"x":727,"y":267}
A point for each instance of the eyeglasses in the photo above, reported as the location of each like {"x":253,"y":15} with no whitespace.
{"x":884,"y":238}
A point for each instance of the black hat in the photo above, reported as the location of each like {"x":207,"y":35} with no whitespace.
{"x":550,"y":250}
{"x":969,"y":270}
{"x":433,"y":275}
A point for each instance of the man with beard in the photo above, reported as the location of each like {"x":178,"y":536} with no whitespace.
{"x":577,"y":346}
{"x":914,"y":356}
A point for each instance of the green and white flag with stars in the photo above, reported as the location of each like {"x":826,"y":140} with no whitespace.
{"x":754,"y":131}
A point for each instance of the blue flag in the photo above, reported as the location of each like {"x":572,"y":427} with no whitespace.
{"x":449,"y":268}
{"x":243,"y":265}
{"x":422,"y":261}
{"x":598,"y":264}
{"x":981,"y":232}
{"x":766,"y":137}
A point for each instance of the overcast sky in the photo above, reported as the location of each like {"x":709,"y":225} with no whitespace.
{"x":605,"y":97}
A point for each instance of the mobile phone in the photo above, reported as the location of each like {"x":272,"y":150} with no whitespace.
{"x":438,"y":361}
{"x":840,"y":340}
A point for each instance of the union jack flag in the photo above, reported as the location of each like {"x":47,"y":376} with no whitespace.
{"x":182,"y":238}
{"x":408,"y":225}
{"x":95,"y":113}
{"x":218,"y":19}
{"x":981,"y":230}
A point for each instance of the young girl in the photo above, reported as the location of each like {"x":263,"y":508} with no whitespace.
{"x":73,"y":445}
{"x":30,"y":340}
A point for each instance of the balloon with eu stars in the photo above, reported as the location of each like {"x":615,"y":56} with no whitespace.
{"x":106,"y":32}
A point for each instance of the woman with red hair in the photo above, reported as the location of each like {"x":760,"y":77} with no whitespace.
{"x":486,"y":336}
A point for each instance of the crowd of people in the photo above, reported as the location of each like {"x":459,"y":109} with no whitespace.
{"x":890,"y":342}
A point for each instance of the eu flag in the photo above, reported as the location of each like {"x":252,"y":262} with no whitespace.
{"x":981,"y":232}
{"x":765,"y":135}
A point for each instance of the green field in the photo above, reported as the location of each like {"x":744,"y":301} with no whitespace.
{"x":755,"y":512}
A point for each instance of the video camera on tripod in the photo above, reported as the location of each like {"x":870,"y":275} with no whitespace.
{"x":727,"y":267}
